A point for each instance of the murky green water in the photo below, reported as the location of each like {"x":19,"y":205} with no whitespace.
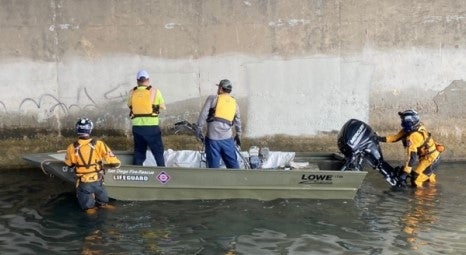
{"x":39,"y":215}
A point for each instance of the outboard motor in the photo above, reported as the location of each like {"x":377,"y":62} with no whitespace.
{"x":358,"y":142}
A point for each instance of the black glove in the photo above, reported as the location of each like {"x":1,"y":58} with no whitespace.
{"x":199,"y":135}
{"x":401,"y":182}
{"x":112,"y":165}
{"x":398,"y":170}
{"x":237,"y":140}
{"x":382,"y":139}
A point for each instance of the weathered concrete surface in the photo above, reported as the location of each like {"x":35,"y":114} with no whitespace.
{"x":299,"y":68}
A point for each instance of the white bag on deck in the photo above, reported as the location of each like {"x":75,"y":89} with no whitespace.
{"x":194,"y":159}
{"x":182,"y":158}
{"x":278,"y":159}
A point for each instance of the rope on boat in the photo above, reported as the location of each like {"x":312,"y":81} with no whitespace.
{"x":47,"y":161}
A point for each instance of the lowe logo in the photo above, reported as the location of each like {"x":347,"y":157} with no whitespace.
{"x":316,"y":178}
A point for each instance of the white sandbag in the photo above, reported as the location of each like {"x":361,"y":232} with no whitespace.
{"x":277,"y":159}
{"x":196,"y":159}
{"x":182,"y":158}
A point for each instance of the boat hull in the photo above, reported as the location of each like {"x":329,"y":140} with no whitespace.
{"x":144,"y":183}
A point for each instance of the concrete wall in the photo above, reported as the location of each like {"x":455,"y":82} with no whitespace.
{"x":298,"y":67}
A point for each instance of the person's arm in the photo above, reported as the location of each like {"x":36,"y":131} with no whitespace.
{"x":414,"y":141}
{"x":159,"y":100}
{"x":209,"y":102}
{"x":392,"y":138}
{"x":237,"y":122}
{"x":107,"y":155}
{"x":237,"y":125}
{"x":70,"y":159}
{"x":202,"y":119}
{"x":130,"y":95}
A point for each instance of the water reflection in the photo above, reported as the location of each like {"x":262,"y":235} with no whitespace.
{"x":41,"y":216}
{"x":420,"y":215}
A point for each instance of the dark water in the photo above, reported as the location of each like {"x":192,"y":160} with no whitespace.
{"x":39,"y":215}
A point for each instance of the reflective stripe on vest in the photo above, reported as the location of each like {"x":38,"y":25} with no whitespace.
{"x":88,"y":164}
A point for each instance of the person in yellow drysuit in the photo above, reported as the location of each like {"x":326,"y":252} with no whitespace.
{"x":420,"y":146}
{"x":88,"y":156}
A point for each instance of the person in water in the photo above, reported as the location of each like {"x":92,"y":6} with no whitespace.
{"x":88,"y":157}
{"x":420,"y":147}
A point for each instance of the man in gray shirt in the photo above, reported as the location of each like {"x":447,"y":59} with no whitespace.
{"x":221,"y":113}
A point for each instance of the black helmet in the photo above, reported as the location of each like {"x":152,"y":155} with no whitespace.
{"x":226,"y":85}
{"x":84,"y":127}
{"x":409,"y":120}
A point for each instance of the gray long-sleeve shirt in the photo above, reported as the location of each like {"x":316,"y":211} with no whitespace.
{"x":217,"y":130}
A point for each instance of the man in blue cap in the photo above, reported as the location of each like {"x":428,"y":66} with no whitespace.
{"x":145,"y":102}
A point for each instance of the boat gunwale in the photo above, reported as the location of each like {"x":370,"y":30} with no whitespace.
{"x":38,"y":159}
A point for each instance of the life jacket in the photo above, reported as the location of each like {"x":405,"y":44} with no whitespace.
{"x":224,"y":110}
{"x":88,"y":163}
{"x":427,"y":147}
{"x":142,"y":102}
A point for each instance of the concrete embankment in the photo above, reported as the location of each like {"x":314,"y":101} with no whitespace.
{"x":299,"y":68}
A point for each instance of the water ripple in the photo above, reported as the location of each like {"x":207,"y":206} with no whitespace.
{"x":39,"y":216}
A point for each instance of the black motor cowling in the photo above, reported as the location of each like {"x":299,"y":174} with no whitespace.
{"x":358,"y":143}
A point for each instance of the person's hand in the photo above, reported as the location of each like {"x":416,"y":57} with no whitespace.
{"x":402,"y":179}
{"x":112,"y":165}
{"x":398,"y":170}
{"x":199,"y":135}
{"x":237,"y":140}
{"x":71,"y":168}
{"x":381,"y":139}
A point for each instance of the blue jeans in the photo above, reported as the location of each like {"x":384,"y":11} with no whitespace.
{"x":91,"y":194}
{"x":221,"y":149}
{"x":148,"y":136}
